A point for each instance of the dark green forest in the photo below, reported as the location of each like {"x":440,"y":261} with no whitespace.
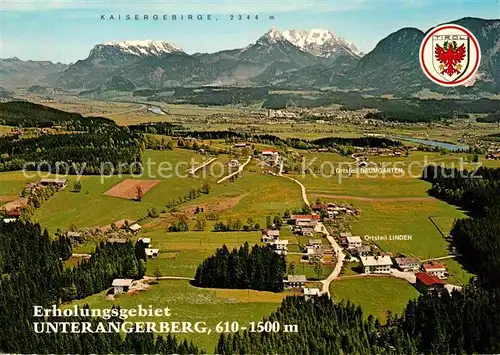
{"x":297,"y":143}
{"x":100,"y":147}
{"x":32,"y":274}
{"x":26,"y":114}
{"x":258,"y":269}
{"x":477,"y":238}
{"x":71,"y":153}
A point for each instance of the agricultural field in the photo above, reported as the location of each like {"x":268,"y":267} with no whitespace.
{"x":65,"y":207}
{"x":191,"y":304}
{"x":388,"y":218}
{"x":376,"y":295}
{"x":253,"y":195}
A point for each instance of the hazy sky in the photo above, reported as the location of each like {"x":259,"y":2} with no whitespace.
{"x":66,"y":30}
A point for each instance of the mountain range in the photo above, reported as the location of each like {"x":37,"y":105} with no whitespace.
{"x":293,"y":59}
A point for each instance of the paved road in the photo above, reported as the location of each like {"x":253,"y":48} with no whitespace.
{"x":240,"y":169}
{"x":339,"y":256}
{"x":406,"y":275}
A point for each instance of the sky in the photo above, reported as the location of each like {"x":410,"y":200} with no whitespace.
{"x":66,"y":30}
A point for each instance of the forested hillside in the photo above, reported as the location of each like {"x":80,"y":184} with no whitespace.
{"x":92,"y":152}
{"x":99,"y":145}
{"x":27,"y":114}
{"x":32,"y":275}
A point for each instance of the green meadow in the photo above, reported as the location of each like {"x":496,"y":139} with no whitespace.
{"x":375,"y":295}
{"x":191,"y":304}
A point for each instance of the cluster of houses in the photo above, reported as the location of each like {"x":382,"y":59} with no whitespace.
{"x":428,"y":275}
{"x":122,"y":231}
{"x":332,"y":210}
{"x":233,"y":163}
{"x":272,"y":237}
{"x":354,"y":244}
{"x":271,"y":158}
{"x":304,"y":224}
{"x":242,"y":145}
{"x":314,"y":251}
{"x":14,"y":209}
{"x":493,"y":155}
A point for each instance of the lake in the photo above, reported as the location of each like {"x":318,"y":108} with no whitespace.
{"x":431,"y":143}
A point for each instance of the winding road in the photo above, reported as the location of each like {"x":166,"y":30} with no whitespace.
{"x":320,"y":228}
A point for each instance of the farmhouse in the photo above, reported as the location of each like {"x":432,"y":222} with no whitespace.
{"x":73,"y":235}
{"x":135,"y":228}
{"x":343,"y":237}
{"x":269,"y":235}
{"x":408,"y":263}
{"x":493,"y":156}
{"x":145,"y":241}
{"x":295,"y":281}
{"x":14,"y":214}
{"x":315,"y":242}
{"x":307,"y":231}
{"x":428,"y":283}
{"x":268,"y":154}
{"x":304,"y":218}
{"x":436,"y":269}
{"x":376,"y":264}
{"x":362,"y":250}
{"x":311,"y":292}
{"x":57,"y":183}
{"x":152,"y":253}
{"x":233,"y":163}
{"x":314,"y":253}
{"x":280,"y":246}
{"x":353,"y":242}
{"x":121,"y":285}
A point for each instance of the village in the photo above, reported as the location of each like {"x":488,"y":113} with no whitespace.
{"x":324,"y":246}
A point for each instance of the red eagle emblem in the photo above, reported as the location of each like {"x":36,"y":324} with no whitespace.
{"x":450,"y":56}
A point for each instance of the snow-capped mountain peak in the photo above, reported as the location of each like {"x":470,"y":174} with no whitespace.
{"x":321,"y":43}
{"x":272,"y":36}
{"x":144,"y":47}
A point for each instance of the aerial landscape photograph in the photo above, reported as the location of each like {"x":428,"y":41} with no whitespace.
{"x":250,"y":177}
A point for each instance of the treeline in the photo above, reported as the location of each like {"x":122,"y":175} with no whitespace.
{"x":108,"y":262}
{"x":164,"y":128}
{"x":257,"y":269}
{"x":491,"y":118}
{"x":70,"y":153}
{"x":476,"y":238}
{"x":297,"y":143}
{"x":456,"y":324}
{"x":369,"y":142}
{"x":27,"y":114}
{"x":213,"y":96}
{"x":33,"y":275}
